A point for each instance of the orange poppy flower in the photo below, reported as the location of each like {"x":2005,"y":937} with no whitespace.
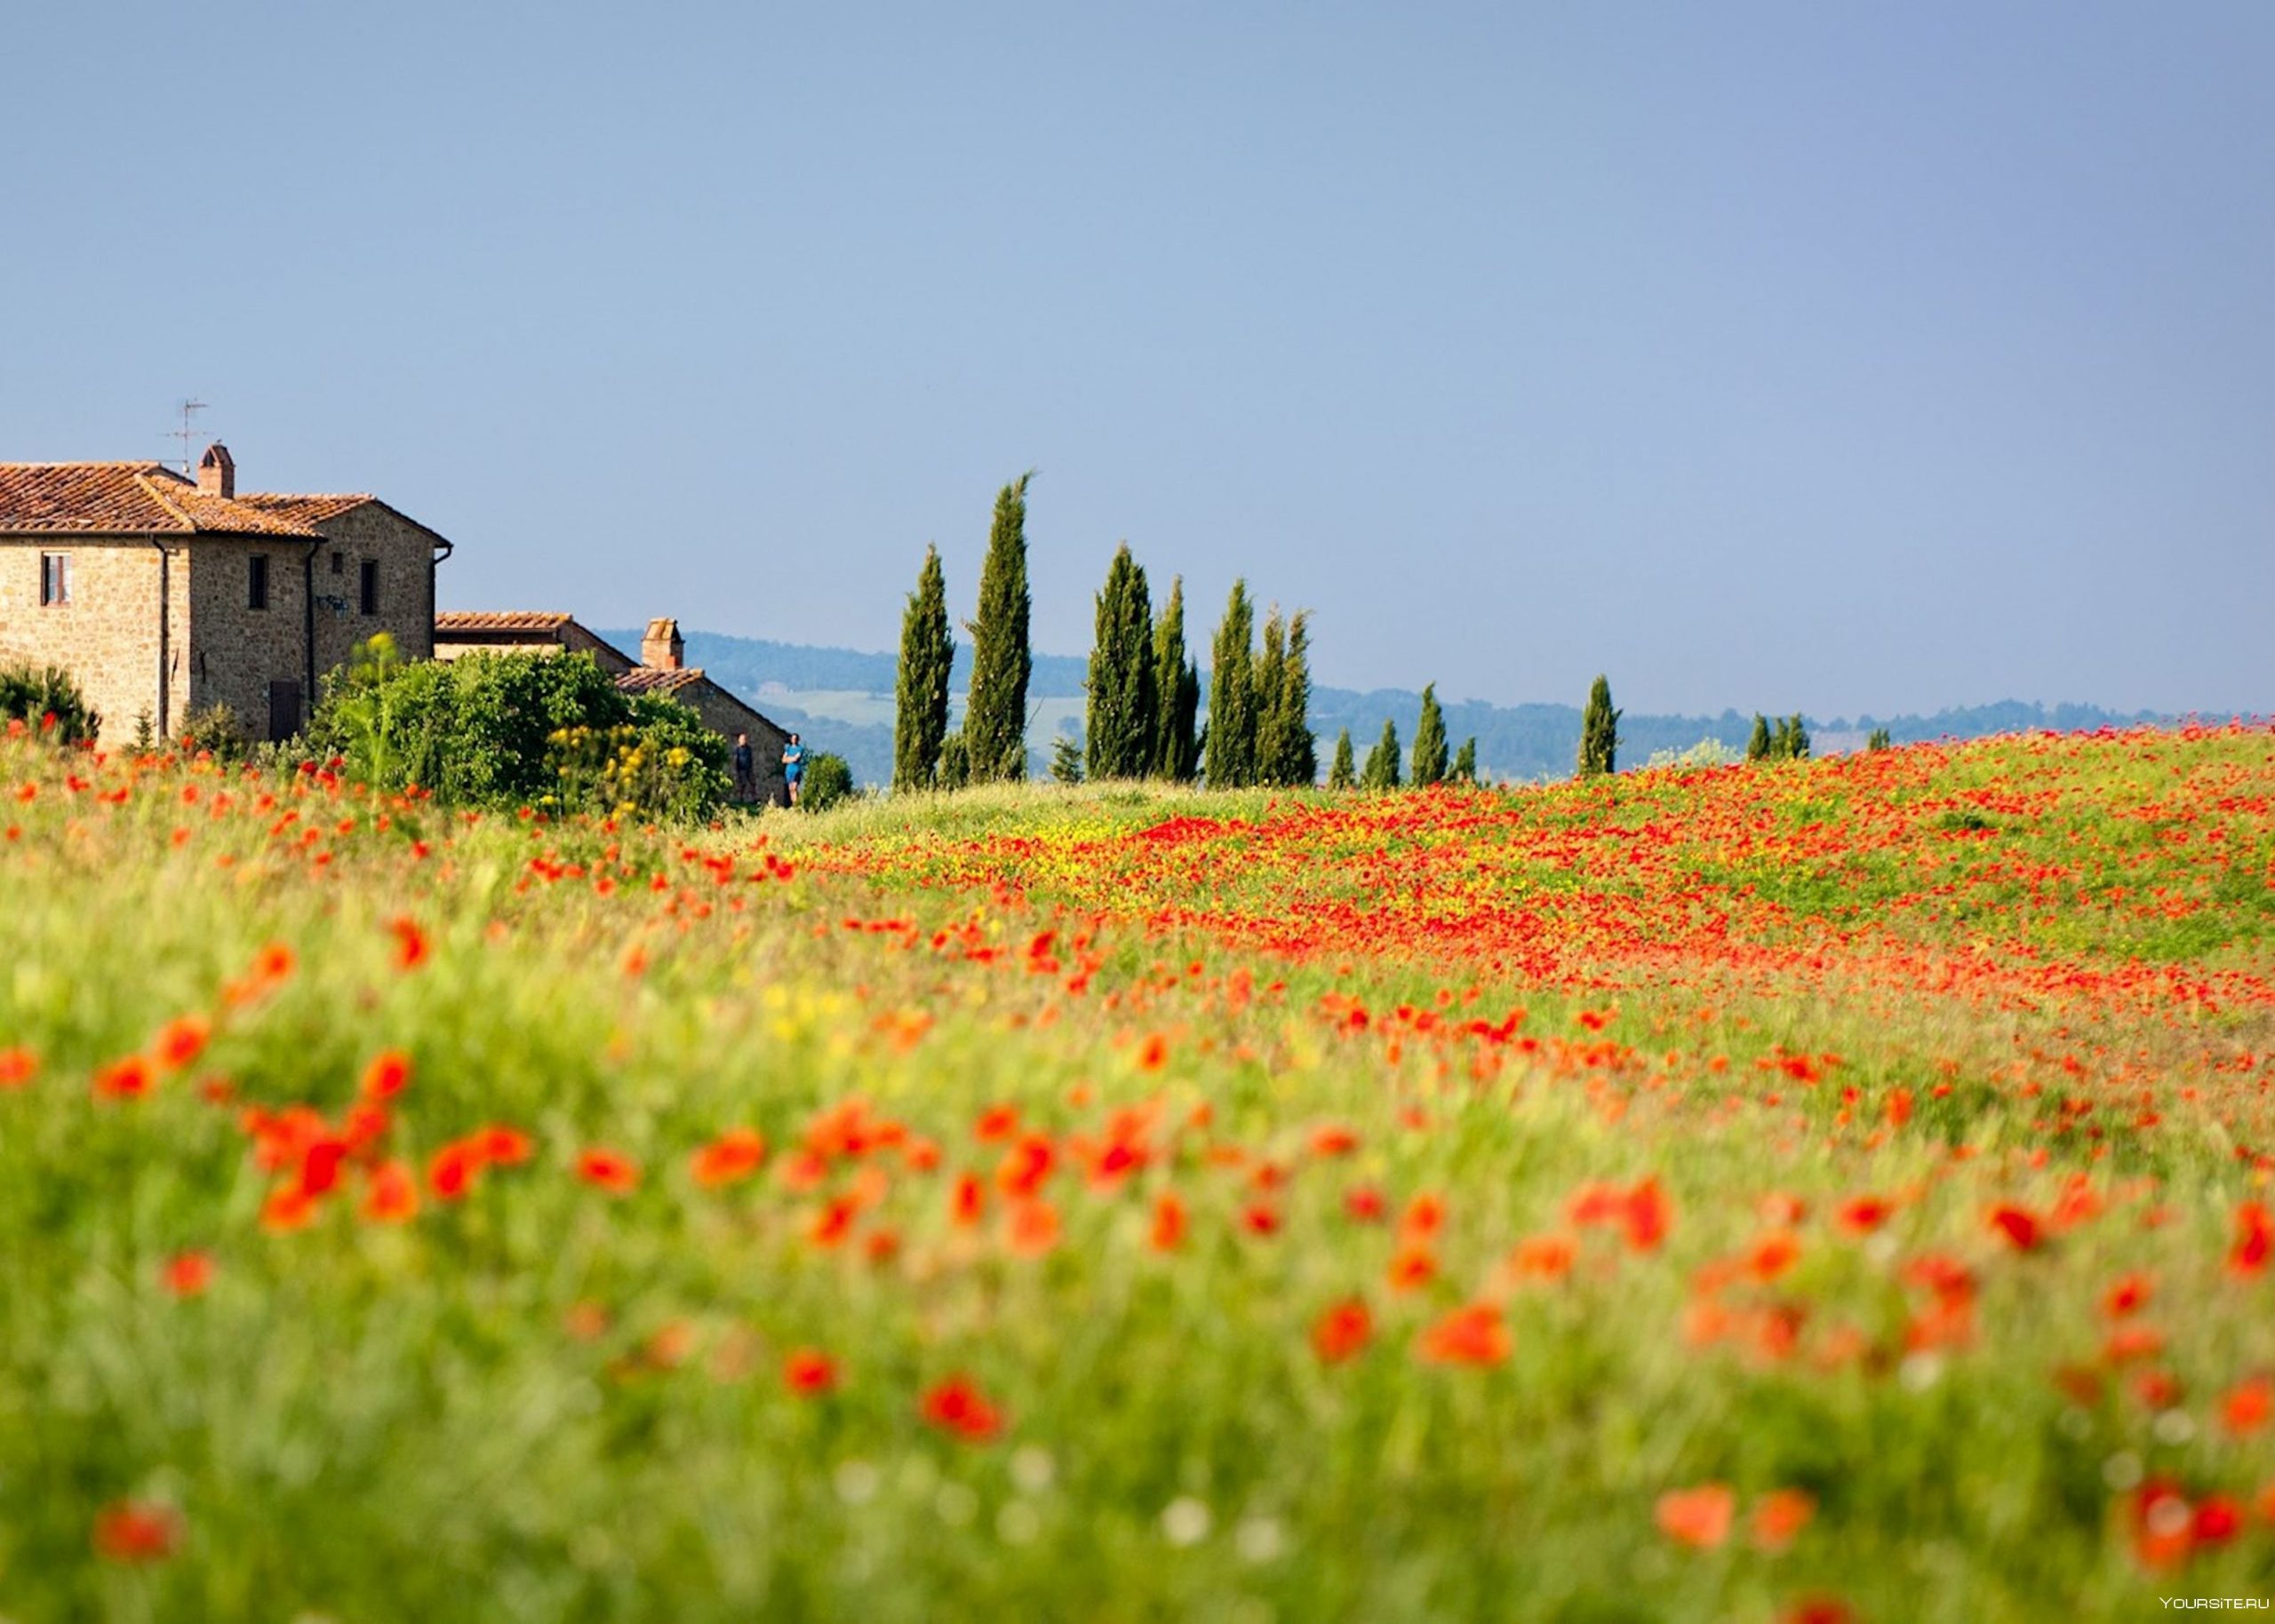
{"x":1699,"y":1517}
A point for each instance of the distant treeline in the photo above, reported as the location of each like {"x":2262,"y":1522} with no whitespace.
{"x":1518,"y":742}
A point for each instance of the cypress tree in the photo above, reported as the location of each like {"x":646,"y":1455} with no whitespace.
{"x":1799,"y":749}
{"x":921,"y":688}
{"x":1232,"y":697}
{"x":1430,"y":741}
{"x":1877,"y":739}
{"x":995,"y":716}
{"x":1270,"y":679}
{"x":1341,"y":774}
{"x":1122,"y":703}
{"x":1066,"y":758}
{"x":1295,"y":756}
{"x":1177,"y":694}
{"x":1599,"y":732}
{"x":1382,"y":760}
{"x":1759,"y":744}
{"x":1465,"y":767}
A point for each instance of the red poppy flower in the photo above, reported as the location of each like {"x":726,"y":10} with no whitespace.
{"x":387,"y":1075}
{"x":732,"y":1157}
{"x":1363,"y":1203}
{"x":1471,"y":1335}
{"x":2021,"y":1227}
{"x":503,"y":1147}
{"x":956,"y":1405}
{"x":390,"y":1194}
{"x":1864,"y":1214}
{"x":2248,"y":1406}
{"x":188,"y":1274}
{"x":135,"y":1531}
{"x":809,"y":1372}
{"x":608,"y":1170}
{"x":181,"y":1041}
{"x":18,"y":1066}
{"x":410,"y":945}
{"x":2254,"y":1239}
{"x":126,"y":1079}
{"x":1169,"y":1222}
{"x":2128,"y":1296}
{"x":1342,"y":1331}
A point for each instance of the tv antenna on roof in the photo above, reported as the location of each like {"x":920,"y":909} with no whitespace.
{"x":186,"y":434}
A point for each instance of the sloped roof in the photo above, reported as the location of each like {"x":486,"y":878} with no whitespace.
{"x":498,"y":620}
{"x":306,"y":510}
{"x":654,"y":679}
{"x":132,"y":498}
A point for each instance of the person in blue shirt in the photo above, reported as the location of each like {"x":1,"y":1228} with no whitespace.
{"x":794,"y":766}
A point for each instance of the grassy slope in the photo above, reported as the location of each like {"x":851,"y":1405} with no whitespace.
{"x":545,"y":1400}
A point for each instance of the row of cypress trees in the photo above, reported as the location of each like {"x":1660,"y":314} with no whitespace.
{"x":1430,"y":764}
{"x":1145,"y":694}
{"x":1259,"y":700}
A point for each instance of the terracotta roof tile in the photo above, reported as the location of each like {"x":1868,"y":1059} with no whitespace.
{"x":135,"y":498}
{"x":305,"y":510}
{"x":498,"y":620}
{"x":650,"y":679}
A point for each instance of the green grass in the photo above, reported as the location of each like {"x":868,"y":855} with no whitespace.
{"x":546,"y":1401}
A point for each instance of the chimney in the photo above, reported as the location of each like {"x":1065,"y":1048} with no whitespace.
{"x":662,"y":649}
{"x":217,"y":472}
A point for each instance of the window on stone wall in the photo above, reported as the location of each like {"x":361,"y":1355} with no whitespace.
{"x":338,"y":562}
{"x":54,"y":578}
{"x":371,"y":586}
{"x":257,"y":582}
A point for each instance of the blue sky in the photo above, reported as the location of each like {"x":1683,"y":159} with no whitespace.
{"x":1777,"y":356}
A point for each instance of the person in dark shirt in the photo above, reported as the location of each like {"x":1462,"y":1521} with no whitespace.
{"x":745,"y":774}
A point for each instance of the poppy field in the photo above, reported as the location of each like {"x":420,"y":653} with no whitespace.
{"x":1838,"y":1191}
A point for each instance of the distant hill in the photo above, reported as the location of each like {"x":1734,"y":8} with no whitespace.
{"x":842,"y":700}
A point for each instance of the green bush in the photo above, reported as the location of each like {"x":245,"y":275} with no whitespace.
{"x":31,"y":695}
{"x":518,"y":729}
{"x":828,"y":780}
{"x":212,"y":730}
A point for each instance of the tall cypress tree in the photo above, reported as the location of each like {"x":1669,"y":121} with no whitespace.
{"x":1341,"y":774}
{"x":1758,"y":745}
{"x":1122,"y":703}
{"x":1232,"y":696}
{"x":995,"y":716}
{"x":1177,"y":694}
{"x":1271,"y":677}
{"x":1599,"y":732}
{"x":1292,"y":756}
{"x":1430,"y":741}
{"x":1382,"y":760}
{"x":928,"y":648}
{"x":1798,"y":747}
{"x":1465,"y":767}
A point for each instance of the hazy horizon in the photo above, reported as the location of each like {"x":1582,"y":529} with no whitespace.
{"x":1769,"y":358}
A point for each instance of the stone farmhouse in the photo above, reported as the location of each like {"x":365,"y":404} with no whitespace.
{"x":164,"y":595}
{"x":662,"y":668}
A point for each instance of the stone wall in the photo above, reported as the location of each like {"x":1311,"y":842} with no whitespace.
{"x":106,"y":637}
{"x":405,"y":554}
{"x":236,"y":651}
{"x":726,"y":715}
